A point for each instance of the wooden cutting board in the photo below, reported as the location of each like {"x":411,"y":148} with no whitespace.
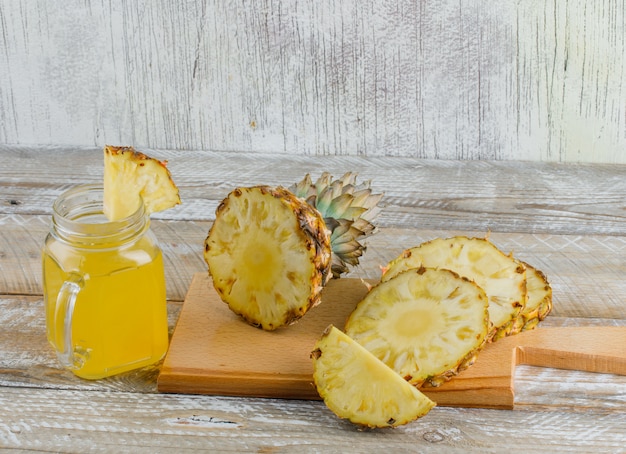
{"x":214,"y":352}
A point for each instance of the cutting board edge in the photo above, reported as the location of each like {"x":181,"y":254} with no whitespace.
{"x":228,"y":384}
{"x":502,"y":397}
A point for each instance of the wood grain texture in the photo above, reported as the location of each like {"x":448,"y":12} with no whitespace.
{"x":127,"y":422}
{"x":534,"y":80}
{"x":426,"y":194}
{"x":566,"y":219}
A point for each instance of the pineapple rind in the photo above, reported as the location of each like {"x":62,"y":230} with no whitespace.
{"x":268,"y":254}
{"x":539,"y":302}
{"x":502,"y":277}
{"x":130,"y":177}
{"x":427,"y":324}
{"x":358,"y":387}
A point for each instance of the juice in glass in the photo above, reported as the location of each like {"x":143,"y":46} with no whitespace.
{"x":104,"y":289}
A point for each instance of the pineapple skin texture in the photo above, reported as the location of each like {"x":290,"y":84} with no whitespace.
{"x":237,"y":222}
{"x":357,"y":386}
{"x":539,"y":303}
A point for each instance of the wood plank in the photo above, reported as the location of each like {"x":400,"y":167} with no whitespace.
{"x":56,"y":420}
{"x":586,"y":272}
{"x":427,"y":194}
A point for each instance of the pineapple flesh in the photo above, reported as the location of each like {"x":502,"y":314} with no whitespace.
{"x":132,"y":177}
{"x":502,"y":277}
{"x":356,"y":386}
{"x":268,"y":253}
{"x":426,"y":324}
{"x":270,"y":250}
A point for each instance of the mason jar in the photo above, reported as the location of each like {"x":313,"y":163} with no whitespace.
{"x":103,"y":287}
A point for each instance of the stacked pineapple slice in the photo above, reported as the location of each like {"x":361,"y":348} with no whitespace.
{"x":436,"y":307}
{"x":539,"y":302}
{"x":427,"y":324}
{"x":502,"y":277}
{"x":519,"y":294}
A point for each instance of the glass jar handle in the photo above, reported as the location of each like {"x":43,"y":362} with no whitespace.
{"x":66,"y":300}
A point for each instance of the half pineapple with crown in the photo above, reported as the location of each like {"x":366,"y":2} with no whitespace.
{"x":131,"y":177}
{"x":270,"y":251}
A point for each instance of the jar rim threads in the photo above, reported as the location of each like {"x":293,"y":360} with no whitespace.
{"x":78,"y":217}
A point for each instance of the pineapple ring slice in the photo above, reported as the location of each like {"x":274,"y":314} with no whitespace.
{"x":269,"y":255}
{"x":539,"y":302}
{"x":130,"y":177}
{"x":356,"y":386}
{"x":426,"y":324}
{"x":501,"y":276}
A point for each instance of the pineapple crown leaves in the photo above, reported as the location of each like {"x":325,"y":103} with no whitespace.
{"x":348,"y":210}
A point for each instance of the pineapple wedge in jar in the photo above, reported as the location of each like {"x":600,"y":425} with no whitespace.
{"x":501,"y":276}
{"x":426,"y":324}
{"x":270,"y":251}
{"x":130,"y":177}
{"x":357,"y":386}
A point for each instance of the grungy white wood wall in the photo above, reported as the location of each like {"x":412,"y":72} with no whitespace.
{"x":462,"y":79}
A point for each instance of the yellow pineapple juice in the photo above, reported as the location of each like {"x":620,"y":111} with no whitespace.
{"x":104,"y":290}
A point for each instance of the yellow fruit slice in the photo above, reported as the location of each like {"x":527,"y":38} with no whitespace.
{"x":501,"y":276}
{"x":130,"y":177}
{"x":426,"y":324}
{"x":357,"y":386}
{"x":539,"y":302}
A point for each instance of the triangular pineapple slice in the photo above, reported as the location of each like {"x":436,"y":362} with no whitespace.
{"x":501,"y":276}
{"x":539,"y":302}
{"x":130,"y":177}
{"x":357,"y":386}
{"x":426,"y":324}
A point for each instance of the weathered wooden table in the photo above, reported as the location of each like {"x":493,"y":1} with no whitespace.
{"x":568,"y":220}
